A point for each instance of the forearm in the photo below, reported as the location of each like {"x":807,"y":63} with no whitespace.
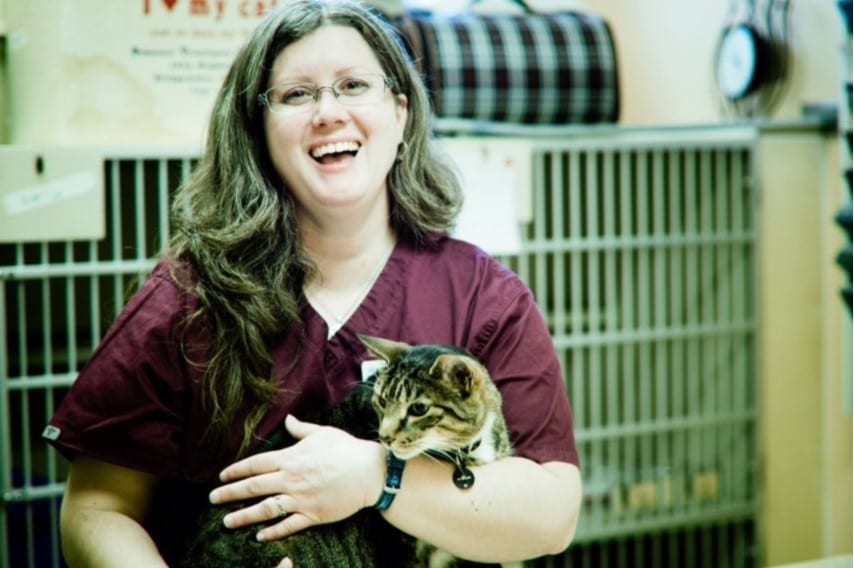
{"x":516,"y":509}
{"x":100,"y":517}
{"x":96,"y":538}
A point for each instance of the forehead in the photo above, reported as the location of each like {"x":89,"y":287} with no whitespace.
{"x":323,"y":54}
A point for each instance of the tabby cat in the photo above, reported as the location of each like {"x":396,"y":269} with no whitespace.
{"x":429,"y":399}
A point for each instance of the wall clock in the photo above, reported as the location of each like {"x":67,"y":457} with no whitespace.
{"x":751,"y":58}
{"x":741,"y":61}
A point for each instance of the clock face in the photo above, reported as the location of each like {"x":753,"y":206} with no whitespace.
{"x":737,"y":61}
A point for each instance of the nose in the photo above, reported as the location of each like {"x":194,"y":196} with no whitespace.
{"x":328,"y":109}
{"x":387,"y":430}
{"x":319,"y":92}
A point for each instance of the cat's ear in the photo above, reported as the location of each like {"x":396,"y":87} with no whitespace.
{"x":385,"y":349}
{"x":462,"y":372}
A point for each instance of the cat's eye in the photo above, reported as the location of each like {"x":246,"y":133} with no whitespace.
{"x":379,"y":401}
{"x":418,"y":408}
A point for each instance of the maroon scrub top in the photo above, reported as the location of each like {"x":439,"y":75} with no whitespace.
{"x":138,"y":403}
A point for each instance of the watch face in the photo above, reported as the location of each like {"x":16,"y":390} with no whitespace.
{"x":737,"y":61}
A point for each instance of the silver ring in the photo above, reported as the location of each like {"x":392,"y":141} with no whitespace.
{"x":280,"y":507}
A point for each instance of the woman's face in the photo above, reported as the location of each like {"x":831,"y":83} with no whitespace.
{"x":334,"y":157}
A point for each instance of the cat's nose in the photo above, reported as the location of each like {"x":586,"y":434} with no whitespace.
{"x":386,"y":440}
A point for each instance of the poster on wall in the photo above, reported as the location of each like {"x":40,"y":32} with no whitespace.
{"x":134,"y":71}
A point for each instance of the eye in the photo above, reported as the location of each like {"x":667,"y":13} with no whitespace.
{"x":297,"y":95}
{"x":379,"y":401}
{"x":353,"y":86}
{"x":418,"y":409}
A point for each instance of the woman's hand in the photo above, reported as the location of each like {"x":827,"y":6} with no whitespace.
{"x":326,"y":476}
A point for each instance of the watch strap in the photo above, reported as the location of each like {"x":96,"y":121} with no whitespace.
{"x":393,"y":479}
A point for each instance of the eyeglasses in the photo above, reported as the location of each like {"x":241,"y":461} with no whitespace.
{"x":290,"y":98}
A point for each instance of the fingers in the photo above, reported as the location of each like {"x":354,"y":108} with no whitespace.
{"x":258,"y":464}
{"x":299,"y":429}
{"x":272,"y":507}
{"x":285,"y":563}
{"x":310,"y":482}
{"x":280,"y":505}
{"x":255,"y":486}
{"x":286,"y":527}
{"x":267,"y":462}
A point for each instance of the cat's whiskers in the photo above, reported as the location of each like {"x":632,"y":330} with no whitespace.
{"x":438,"y":456}
{"x":446,"y":455}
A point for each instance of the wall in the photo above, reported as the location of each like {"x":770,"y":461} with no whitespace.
{"x":89,"y":72}
{"x":806,"y":420}
{"x":667,"y":49}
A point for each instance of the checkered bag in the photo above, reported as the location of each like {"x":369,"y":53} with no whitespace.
{"x":557,"y":68}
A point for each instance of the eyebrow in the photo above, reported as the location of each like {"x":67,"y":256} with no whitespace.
{"x":338,"y":74}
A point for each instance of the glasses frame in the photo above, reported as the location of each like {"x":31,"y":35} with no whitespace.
{"x":264,"y":98}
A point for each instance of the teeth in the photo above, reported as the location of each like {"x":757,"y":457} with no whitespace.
{"x":334,"y":148}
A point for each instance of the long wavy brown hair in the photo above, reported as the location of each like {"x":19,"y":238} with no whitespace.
{"x":234,"y":219}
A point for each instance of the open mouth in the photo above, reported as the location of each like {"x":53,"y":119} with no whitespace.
{"x":334,"y":152}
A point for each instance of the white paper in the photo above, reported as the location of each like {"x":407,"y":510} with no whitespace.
{"x":496,"y":178}
{"x":49,"y":193}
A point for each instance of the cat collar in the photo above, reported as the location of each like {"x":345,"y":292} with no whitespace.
{"x":464,"y":477}
{"x":393,"y":478}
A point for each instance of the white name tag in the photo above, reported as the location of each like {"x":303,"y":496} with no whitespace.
{"x":371,"y":367}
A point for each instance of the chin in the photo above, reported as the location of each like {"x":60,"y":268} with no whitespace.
{"x":405,"y":453}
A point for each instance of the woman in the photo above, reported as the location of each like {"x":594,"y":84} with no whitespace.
{"x":318,"y":212}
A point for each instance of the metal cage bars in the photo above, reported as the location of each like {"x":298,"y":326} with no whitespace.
{"x":58,"y":300}
{"x":641,"y":256}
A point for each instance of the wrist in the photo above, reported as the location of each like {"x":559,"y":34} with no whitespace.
{"x":392,"y":483}
{"x":375,"y":474}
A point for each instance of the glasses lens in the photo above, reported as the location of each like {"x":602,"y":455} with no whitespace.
{"x":351,"y":90}
{"x":360,"y":89}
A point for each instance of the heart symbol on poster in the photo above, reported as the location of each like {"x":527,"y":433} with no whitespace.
{"x":170,"y":4}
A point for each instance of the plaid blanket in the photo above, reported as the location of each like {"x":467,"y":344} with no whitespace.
{"x":532,"y":68}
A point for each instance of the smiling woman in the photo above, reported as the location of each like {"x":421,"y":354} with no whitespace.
{"x":304,"y":225}
{"x":309,"y":118}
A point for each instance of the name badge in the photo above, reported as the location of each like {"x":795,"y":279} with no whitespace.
{"x":371,"y":367}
